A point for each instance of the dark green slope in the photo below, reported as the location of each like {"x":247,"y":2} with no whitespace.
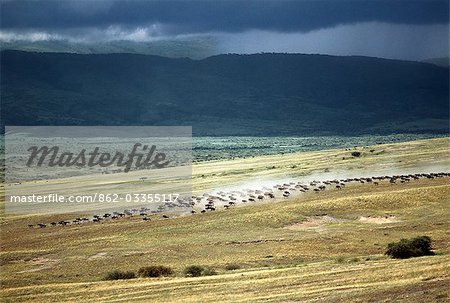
{"x":264,"y":94}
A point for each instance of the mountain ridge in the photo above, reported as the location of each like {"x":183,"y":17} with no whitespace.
{"x":227,"y":94}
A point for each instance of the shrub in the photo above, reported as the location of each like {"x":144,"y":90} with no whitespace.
{"x":232,"y":266}
{"x":194,"y":270}
{"x":197,"y":271}
{"x":356,"y":154}
{"x":119,"y":275}
{"x":155,"y":271}
{"x":407,"y":248}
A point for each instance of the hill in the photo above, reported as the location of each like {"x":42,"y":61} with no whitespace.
{"x":261,"y":94}
{"x":196,"y":48}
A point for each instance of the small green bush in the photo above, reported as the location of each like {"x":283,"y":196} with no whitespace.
{"x":197,"y":271}
{"x":194,"y":271}
{"x":408,"y":248}
{"x":232,"y":266}
{"x":155,"y":271}
{"x":119,"y":275}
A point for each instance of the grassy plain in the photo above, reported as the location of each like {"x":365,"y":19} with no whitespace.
{"x":282,"y":256}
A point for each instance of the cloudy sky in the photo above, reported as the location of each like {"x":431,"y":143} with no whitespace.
{"x":401,"y":29}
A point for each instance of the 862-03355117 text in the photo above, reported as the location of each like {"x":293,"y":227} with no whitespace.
{"x":97,"y":197}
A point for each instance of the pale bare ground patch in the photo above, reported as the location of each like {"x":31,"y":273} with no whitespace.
{"x":379,"y":220}
{"x":316,"y":223}
{"x":320,"y":223}
{"x":100,"y":255}
{"x":39,"y":263}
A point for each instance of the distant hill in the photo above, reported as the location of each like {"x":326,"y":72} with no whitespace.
{"x":445,"y":61}
{"x":261,"y":94}
{"x":190,"y":47}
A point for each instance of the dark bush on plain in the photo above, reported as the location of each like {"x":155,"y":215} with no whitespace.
{"x":155,"y":271}
{"x":197,"y":271}
{"x":356,"y":154}
{"x":194,"y":271}
{"x":408,"y":248}
{"x":119,"y":275}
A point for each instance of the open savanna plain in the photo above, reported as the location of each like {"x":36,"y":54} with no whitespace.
{"x":327,"y":246}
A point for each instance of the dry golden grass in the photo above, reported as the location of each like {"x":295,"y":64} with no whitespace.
{"x":414,"y":280}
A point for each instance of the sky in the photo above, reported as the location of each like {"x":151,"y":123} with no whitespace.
{"x":398,"y":29}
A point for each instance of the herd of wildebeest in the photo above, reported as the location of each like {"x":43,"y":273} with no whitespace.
{"x":211,"y":202}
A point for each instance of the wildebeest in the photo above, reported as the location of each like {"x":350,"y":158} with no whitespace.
{"x":233,"y":197}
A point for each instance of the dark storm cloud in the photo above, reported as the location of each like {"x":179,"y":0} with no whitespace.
{"x":179,"y":17}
